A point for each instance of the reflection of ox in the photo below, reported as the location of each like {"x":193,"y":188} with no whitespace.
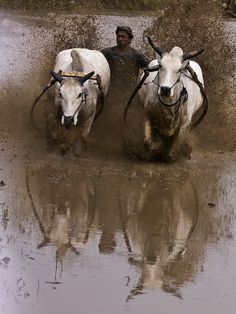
{"x":65,"y":210}
{"x":77,"y":96}
{"x":159,"y":228}
{"x":171,"y":97}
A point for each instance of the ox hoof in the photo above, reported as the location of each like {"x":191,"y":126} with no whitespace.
{"x":170,"y":159}
{"x":188,"y":155}
{"x":146,"y":152}
{"x":187,"y":150}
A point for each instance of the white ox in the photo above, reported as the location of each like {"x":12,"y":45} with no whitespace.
{"x":170,"y":98}
{"x":78,"y":97}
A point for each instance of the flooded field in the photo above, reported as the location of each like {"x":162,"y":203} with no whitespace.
{"x":101,"y":233}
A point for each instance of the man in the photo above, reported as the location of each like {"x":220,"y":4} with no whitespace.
{"x":125,"y":62}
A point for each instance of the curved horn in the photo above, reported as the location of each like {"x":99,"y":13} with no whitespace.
{"x":56,"y":76}
{"x":192,"y":54}
{"x":86,"y":77}
{"x":156,"y":48}
{"x":151,"y":69}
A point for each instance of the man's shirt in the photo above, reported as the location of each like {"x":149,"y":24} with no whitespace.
{"x":125,"y":66}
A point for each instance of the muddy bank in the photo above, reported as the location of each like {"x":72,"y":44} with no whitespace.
{"x":78,"y":5}
{"x":227,"y":6}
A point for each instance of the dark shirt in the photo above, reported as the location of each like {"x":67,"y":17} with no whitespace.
{"x":124,"y":66}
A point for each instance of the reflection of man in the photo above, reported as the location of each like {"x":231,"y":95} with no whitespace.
{"x":125,"y":62}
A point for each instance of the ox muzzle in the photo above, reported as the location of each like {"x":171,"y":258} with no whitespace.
{"x":165,"y":91}
{"x":68,"y":121}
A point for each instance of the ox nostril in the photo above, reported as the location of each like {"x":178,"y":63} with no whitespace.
{"x":165,"y":91}
{"x":68,"y":121}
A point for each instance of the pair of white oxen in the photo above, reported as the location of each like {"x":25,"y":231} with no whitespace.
{"x":169,"y":94}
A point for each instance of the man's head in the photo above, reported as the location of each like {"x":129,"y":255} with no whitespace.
{"x":124,"y":36}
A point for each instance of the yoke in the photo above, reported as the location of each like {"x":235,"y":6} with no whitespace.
{"x":76,"y":74}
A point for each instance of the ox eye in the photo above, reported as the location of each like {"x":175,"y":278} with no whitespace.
{"x":79,"y":95}
{"x":60,"y":94}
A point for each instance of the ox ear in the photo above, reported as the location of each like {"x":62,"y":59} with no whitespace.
{"x":155,"y":47}
{"x":56,"y":76}
{"x":192,"y":54}
{"x":86,"y":77}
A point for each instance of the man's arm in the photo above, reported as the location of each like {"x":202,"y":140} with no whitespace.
{"x":106,"y":52}
{"x":142,"y":61}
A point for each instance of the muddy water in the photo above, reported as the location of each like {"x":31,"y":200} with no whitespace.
{"x":103,"y":234}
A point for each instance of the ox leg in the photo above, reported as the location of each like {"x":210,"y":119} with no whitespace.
{"x":151,"y":135}
{"x":52,"y":114}
{"x":181,"y":146}
{"x":154,"y":144}
{"x":166,"y":147}
{"x":81,"y":144}
{"x":86,"y":127}
{"x":149,"y":150}
{"x":80,"y":147}
{"x":147,"y":133}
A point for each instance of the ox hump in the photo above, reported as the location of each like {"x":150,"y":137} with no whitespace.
{"x":76,"y":62}
{"x":177,"y":51}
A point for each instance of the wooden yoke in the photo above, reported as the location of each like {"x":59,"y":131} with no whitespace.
{"x":77,"y":74}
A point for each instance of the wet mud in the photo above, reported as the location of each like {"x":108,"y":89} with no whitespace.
{"x":104,"y":233}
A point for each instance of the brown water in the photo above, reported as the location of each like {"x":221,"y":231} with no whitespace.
{"x":103,"y":234}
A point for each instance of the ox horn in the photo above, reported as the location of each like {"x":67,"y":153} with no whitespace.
{"x":192,"y":54}
{"x":155,"y":47}
{"x":56,"y":76}
{"x":86,"y":77}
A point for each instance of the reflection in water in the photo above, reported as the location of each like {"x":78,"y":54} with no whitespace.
{"x":65,"y":212}
{"x":162,"y":219}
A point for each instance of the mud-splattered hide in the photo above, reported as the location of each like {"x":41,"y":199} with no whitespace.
{"x":78,"y":97}
{"x":170,"y":98}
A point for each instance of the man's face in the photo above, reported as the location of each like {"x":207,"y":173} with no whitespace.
{"x":122,"y":39}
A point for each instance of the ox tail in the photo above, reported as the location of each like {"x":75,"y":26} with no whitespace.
{"x":51,"y":83}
